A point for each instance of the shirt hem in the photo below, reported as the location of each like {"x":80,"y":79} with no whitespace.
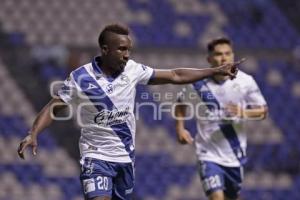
{"x":235,"y":164}
{"x":106,"y":158}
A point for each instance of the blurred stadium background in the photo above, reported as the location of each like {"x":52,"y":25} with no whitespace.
{"x":42,"y":41}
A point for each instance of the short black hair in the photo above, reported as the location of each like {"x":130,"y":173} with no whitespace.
{"x":112,"y":28}
{"x":223,"y":40}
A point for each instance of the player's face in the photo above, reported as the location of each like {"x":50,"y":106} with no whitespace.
{"x":118,"y":51}
{"x":222,"y":54}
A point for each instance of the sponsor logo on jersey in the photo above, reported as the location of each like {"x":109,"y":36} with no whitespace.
{"x":89,"y":185}
{"x":108,"y":117}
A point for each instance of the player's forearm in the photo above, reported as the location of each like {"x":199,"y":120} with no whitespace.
{"x":42,"y":121}
{"x":179,"y":115}
{"x":44,"y":118}
{"x":179,"y":126}
{"x":255,"y":113}
{"x":190,"y":75}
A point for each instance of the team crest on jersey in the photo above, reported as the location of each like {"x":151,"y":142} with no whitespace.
{"x":123,"y":81}
{"x":111,"y":117}
{"x":109,"y":88}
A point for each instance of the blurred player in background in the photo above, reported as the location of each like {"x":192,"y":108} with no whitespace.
{"x":223,"y":105}
{"x":104,"y":91}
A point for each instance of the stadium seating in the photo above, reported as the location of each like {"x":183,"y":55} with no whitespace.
{"x":160,"y":23}
{"x":52,"y":173}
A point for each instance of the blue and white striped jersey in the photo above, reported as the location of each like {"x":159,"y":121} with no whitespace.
{"x":221,"y":138}
{"x":105,"y":108}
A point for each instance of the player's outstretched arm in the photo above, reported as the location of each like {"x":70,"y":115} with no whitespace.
{"x":258,"y":112}
{"x":190,"y":75}
{"x":183,"y":135}
{"x":42,"y":120}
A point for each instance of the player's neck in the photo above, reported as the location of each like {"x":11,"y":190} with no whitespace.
{"x":220,"y":78}
{"x":106,"y":68}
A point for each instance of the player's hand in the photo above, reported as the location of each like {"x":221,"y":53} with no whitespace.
{"x":230,"y":69}
{"x":27,"y":141}
{"x":184,"y":137}
{"x":233,"y":110}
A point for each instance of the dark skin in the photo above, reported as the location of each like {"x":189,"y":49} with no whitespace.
{"x":114,"y":55}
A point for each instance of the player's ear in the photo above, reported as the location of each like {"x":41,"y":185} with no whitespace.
{"x":104,"y":49}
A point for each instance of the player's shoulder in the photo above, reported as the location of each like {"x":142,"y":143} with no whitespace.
{"x":134,"y":63}
{"x":244,"y":77}
{"x":134,"y":66}
{"x":131,"y":63}
{"x":82,"y":69}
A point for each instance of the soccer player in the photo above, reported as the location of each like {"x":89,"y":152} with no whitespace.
{"x":104,"y":91}
{"x":221,"y":105}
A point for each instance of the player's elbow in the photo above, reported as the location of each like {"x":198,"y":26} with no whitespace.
{"x":55,"y":106}
{"x":177,"y":77}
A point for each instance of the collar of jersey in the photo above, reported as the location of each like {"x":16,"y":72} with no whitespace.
{"x":219,"y":82}
{"x":99,"y":73}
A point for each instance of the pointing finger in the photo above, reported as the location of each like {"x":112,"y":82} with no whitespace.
{"x":34,"y":149}
{"x":239,"y":61}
